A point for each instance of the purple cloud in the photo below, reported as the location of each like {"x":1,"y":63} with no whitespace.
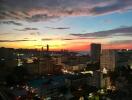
{"x":38,"y":10}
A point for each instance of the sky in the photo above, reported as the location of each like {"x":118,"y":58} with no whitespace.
{"x":66,"y":24}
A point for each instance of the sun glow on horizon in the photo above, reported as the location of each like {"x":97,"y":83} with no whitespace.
{"x":71,"y":29}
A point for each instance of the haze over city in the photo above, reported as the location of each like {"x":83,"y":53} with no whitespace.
{"x":66,"y":24}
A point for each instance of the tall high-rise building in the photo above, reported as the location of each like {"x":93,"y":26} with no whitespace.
{"x":108,"y":59}
{"x":42,"y":49}
{"x":108,"y":62}
{"x":95,"y":52}
{"x":47,"y":47}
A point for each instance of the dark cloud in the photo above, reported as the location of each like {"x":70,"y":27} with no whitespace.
{"x":27,"y":29}
{"x":118,"y":5}
{"x":59,"y":28}
{"x":46,"y":39}
{"x":16,"y":40}
{"x":49,"y":39}
{"x":67,"y":39}
{"x":90,"y":38}
{"x":10,"y":23}
{"x":37,"y":33}
{"x":79,"y":38}
{"x":123,"y":31}
{"x":38,"y":10}
{"x":40,"y":17}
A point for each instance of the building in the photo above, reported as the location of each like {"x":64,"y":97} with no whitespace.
{"x":108,"y":62}
{"x":47,"y":48}
{"x":94,"y":80}
{"x":75,"y":63}
{"x":124,"y":58}
{"x":108,"y":59}
{"x":95,"y":52}
{"x":43,"y":66}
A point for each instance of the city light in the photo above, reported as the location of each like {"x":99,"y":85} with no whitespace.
{"x":65,"y":49}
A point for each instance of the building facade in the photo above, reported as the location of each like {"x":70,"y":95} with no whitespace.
{"x":108,"y":59}
{"x":95,"y":52}
{"x":108,"y":62}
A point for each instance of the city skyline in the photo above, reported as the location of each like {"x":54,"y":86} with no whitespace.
{"x":66,"y":24}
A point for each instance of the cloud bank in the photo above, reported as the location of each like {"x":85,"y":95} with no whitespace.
{"x":27,"y":29}
{"x":59,"y":28}
{"x":25,"y":40}
{"x":121,"y":42}
{"x":41,"y":10}
{"x":122,"y":31}
{"x":11,"y":23}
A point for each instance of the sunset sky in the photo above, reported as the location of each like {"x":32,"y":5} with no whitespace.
{"x":66,"y":24}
